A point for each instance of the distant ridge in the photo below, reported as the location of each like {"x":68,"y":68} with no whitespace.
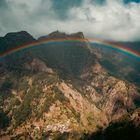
{"x":57,"y":34}
{"x":11,"y":40}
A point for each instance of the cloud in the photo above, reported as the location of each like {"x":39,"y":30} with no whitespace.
{"x":62,"y":7}
{"x":128,"y":1}
{"x":103,"y":19}
{"x":114,"y":20}
{"x":3,"y":4}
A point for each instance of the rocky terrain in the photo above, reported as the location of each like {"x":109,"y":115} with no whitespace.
{"x":61,"y":91}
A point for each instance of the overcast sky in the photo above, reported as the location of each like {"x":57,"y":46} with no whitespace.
{"x":103,"y":19}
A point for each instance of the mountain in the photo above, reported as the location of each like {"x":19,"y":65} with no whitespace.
{"x":61,"y":91}
{"x":74,"y":57}
{"x":15,"y":39}
{"x":119,"y":64}
{"x":60,"y":35}
{"x":70,"y":58}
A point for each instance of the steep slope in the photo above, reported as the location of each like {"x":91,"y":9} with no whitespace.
{"x":68,"y":57}
{"x":61,"y":93}
{"x":43,"y":103}
{"x":118,"y":63}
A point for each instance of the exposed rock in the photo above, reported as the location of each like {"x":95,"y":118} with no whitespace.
{"x":58,"y":35}
{"x":38,"y":65}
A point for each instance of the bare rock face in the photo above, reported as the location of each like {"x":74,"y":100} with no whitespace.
{"x":38,"y":65}
{"x":81,"y":104}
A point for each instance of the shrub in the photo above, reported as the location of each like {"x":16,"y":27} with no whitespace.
{"x":4,"y":119}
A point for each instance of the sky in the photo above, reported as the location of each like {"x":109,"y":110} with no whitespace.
{"x":117,"y":20}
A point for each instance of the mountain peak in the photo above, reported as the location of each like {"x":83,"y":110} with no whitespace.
{"x":14,"y":39}
{"x":19,"y":35}
{"x":58,"y":34}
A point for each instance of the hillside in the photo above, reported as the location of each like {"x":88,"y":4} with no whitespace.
{"x":60,"y":91}
{"x":119,"y":64}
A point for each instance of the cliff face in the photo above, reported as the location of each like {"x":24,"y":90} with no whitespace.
{"x":61,"y":89}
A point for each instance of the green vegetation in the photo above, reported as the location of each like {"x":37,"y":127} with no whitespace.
{"x":23,"y":112}
{"x":22,"y":84}
{"x":78,"y":84}
{"x":63,"y":136}
{"x":4,"y":119}
{"x":1,"y":101}
{"x":122,"y":129}
{"x":15,"y":82}
{"x":6,"y":86}
{"x":137,"y":101}
{"x":71,"y":136}
{"x":5,"y":89}
{"x":76,"y":114}
{"x":52,"y":97}
{"x":35,"y":93}
{"x":90,"y":118}
{"x":44,"y":79}
{"x":73,"y":57}
{"x":59,"y":95}
{"x":48,"y":102}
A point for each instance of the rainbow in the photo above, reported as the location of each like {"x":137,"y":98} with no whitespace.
{"x":117,"y":47}
{"x":114,"y":46}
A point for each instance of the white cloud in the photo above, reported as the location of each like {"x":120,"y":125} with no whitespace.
{"x":113,"y":20}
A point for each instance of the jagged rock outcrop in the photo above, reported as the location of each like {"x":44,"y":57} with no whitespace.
{"x":37,"y":65}
{"x":61,"y":35}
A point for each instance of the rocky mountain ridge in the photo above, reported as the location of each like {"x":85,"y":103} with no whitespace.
{"x":61,"y":35}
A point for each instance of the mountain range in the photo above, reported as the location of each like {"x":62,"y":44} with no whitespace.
{"x":67,"y":90}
